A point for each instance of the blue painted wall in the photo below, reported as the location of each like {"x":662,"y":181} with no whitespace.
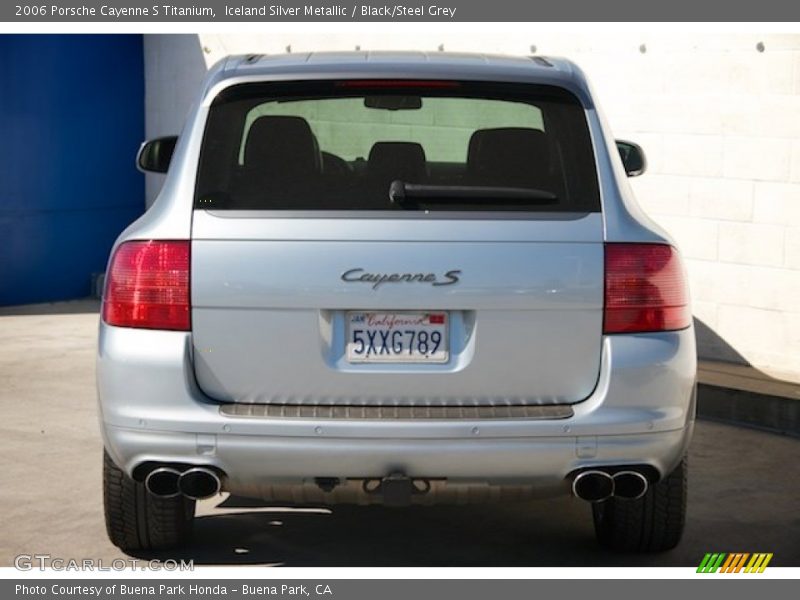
{"x":71,"y":120}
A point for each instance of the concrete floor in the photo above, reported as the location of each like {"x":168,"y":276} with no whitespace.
{"x":742,"y":494}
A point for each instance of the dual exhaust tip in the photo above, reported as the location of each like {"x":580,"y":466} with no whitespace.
{"x":196,"y":483}
{"x":597,"y":486}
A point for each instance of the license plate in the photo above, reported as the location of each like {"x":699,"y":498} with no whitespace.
{"x":397,"y":337}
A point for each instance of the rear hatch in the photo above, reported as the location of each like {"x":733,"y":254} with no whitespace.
{"x":397,"y":243}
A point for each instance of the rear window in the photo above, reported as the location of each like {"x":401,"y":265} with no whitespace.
{"x":399,"y":145}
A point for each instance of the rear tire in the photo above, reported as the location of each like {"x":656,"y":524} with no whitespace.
{"x":136,"y":520}
{"x":653,"y":523}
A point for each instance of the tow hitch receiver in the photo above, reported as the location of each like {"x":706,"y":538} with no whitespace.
{"x":397,"y":488}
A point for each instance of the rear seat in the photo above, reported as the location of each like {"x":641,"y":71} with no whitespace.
{"x":509,"y":156}
{"x":396,"y":160}
{"x":279,"y":149}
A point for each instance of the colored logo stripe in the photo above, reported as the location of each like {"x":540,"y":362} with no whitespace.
{"x":734,"y":562}
{"x":710,"y":563}
{"x":758,"y":563}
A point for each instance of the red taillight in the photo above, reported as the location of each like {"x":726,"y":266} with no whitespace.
{"x":147,"y":286}
{"x":645,"y":289}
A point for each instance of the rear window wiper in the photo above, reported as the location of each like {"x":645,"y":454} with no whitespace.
{"x":411,"y":195}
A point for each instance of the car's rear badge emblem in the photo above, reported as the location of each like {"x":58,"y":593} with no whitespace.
{"x":359,"y":275}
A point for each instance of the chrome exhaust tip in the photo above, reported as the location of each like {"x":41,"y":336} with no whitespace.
{"x":593,"y":486}
{"x":630,"y":485}
{"x":163,"y":482}
{"x":198,"y":483}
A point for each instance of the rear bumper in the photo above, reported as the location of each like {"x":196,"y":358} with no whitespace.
{"x":255,"y":463}
{"x":641,"y":412}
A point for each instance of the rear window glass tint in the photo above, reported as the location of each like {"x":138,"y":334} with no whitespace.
{"x":342,"y":145}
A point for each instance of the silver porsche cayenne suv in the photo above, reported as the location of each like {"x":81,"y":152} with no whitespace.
{"x":395,"y":278}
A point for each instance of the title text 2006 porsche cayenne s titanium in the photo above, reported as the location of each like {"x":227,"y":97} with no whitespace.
{"x":395,"y":278}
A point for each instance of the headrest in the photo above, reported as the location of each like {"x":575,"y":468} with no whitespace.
{"x":397,"y":160}
{"x":281,"y":145}
{"x":509,"y":156}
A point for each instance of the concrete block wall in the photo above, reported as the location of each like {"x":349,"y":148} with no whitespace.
{"x":717,"y":114}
